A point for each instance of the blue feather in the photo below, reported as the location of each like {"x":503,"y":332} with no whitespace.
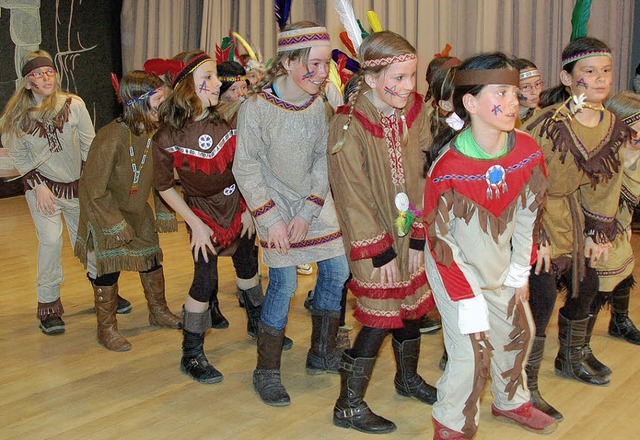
{"x":282,"y":11}
{"x":352,"y":65}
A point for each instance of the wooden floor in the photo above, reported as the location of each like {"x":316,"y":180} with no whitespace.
{"x":70,"y":387}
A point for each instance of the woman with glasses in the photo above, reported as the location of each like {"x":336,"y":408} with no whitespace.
{"x":531,"y":85}
{"x":48,"y":133}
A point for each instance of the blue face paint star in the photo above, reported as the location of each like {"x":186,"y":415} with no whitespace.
{"x":308,"y":75}
{"x":496,"y":109}
{"x":582,"y":83}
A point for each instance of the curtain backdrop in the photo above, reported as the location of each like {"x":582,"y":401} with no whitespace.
{"x":533,"y":29}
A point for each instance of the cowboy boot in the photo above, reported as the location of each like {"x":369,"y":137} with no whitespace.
{"x":532,"y":369}
{"x":620,"y":325}
{"x":266,"y":376}
{"x":350,"y":410}
{"x":194,"y":363}
{"x":106,"y":302}
{"x":154,"y":292}
{"x":323,"y":357}
{"x":407,"y":381}
{"x":569,"y":361}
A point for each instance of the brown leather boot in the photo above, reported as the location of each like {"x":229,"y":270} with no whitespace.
{"x":532,"y":369}
{"x":323,"y":357}
{"x":106,"y":302}
{"x":266,"y":376}
{"x":159,"y":313}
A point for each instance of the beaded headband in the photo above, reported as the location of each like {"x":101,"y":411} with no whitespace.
{"x":192,"y":65}
{"x":303,"y":38}
{"x":35,"y":63}
{"x":142,"y":97}
{"x":528,"y":73}
{"x":478,"y":77}
{"x":630,"y":120}
{"x":379,"y":62}
{"x":232,"y":78}
{"x":588,"y":54}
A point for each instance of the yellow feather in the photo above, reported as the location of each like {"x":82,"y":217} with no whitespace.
{"x":247,"y":46}
{"x":334,"y":76}
{"x":374,"y":21}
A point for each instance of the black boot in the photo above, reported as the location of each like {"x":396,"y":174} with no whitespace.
{"x":407,"y":381}
{"x":587,"y":353}
{"x":533,"y":367}
{"x":266,"y":376}
{"x":323,"y":357}
{"x":569,"y":362}
{"x":620,"y":325}
{"x":252,"y":300}
{"x":194,"y":363}
{"x":218,"y":320}
{"x":351,"y":411}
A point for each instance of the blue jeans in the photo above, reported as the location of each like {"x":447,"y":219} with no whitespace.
{"x":332,"y":274}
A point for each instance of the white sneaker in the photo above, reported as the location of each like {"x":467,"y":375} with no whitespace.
{"x":304,"y":269}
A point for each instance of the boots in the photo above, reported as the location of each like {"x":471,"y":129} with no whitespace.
{"x":266,"y":376}
{"x":159,"y":313}
{"x":587,"y":353}
{"x":350,"y":410}
{"x":533,"y":367}
{"x":252,"y":300}
{"x":323,"y":357}
{"x":124,"y":306}
{"x":106,"y":302}
{"x":407,"y":381}
{"x":194,"y":363}
{"x":50,"y":317}
{"x":218,"y":320}
{"x":569,"y":362}
{"x":620,"y":325}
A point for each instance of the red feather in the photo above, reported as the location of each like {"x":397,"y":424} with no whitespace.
{"x":116,"y":86}
{"x":445,"y":52}
{"x":347,"y":43}
{"x":160,"y":66}
{"x":344,"y":74}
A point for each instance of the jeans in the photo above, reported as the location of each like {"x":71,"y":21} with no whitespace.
{"x":332,"y":274}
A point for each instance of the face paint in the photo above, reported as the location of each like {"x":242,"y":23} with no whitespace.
{"x":522,"y":98}
{"x":34,"y":85}
{"x":203,"y":87}
{"x":308,"y":75}
{"x":496,"y":109}
{"x":582,"y":83}
{"x":391,"y":91}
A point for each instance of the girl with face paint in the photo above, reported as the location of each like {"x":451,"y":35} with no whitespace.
{"x":195,"y":142}
{"x":531,"y":85}
{"x":281,"y":167}
{"x":581,"y":141}
{"x":484,"y":188}
{"x":117,"y":226}
{"x":376,"y":150}
{"x":48,"y":134}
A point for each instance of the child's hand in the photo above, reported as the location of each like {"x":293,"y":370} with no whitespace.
{"x":248,"y":228}
{"x":201,"y":240}
{"x":388,"y":273}
{"x":278,"y":237}
{"x":416,"y":260}
{"x":45,"y":200}
{"x":297,"y":229}
{"x":544,"y":259}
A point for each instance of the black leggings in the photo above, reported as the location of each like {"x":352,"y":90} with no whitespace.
{"x":370,"y":339}
{"x":109,"y":279}
{"x":543,"y":290}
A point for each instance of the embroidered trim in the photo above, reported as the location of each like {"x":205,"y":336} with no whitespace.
{"x":264,"y":93}
{"x":629,"y":195}
{"x":370,"y":247}
{"x":161,"y":215}
{"x":588,"y":54}
{"x":316,"y":199}
{"x":115,"y":229}
{"x":599,"y":217}
{"x":630,"y":120}
{"x":398,"y":290}
{"x":201,"y":154}
{"x":614,"y":272}
{"x":379,"y":62}
{"x":236,"y":78}
{"x":394,"y":147}
{"x":524,"y":74}
{"x":302,"y":38}
{"x":474,"y":177}
{"x":317,"y":241}
{"x":263,"y":209}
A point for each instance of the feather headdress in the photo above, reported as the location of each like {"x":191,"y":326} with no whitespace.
{"x":282,"y":9}
{"x":374,"y":21}
{"x":349,"y":21}
{"x":580,"y":18}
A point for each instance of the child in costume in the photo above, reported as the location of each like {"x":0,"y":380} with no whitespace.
{"x":48,"y":134}
{"x":615,"y":274}
{"x":483,"y":190}
{"x":375,"y":154}
{"x":281,"y":169}
{"x":531,"y":86}
{"x":117,"y":226}
{"x":580,"y":140}
{"x":200,"y":146}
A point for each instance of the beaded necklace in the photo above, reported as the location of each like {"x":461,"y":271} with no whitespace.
{"x":134,"y":166}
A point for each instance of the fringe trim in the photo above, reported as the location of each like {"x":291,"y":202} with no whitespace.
{"x":50,"y":308}
{"x":58,"y":121}
{"x":482,"y":360}
{"x":395,"y":319}
{"x":130,"y":263}
{"x":223,"y":237}
{"x":166,"y":222}
{"x":61,"y":190}
{"x":520,"y":338}
{"x":118,"y":235}
{"x":217,"y":164}
{"x":370,"y":247}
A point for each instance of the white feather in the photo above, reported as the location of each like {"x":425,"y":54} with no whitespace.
{"x":348,"y":19}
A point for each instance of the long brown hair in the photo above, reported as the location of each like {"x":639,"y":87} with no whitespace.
{"x":137,"y":114}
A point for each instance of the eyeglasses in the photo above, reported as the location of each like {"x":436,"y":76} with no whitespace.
{"x":528,"y":88}
{"x":40,"y":73}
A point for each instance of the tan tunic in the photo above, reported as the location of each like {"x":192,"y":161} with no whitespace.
{"x":366,"y":175}
{"x":115,"y":223}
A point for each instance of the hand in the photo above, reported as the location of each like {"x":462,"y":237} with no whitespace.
{"x":297,"y":229}
{"x":201,"y":240}
{"x":629,"y":233}
{"x":248,"y":228}
{"x":544,"y":259}
{"x":592,"y":251}
{"x":522,"y":294}
{"x":604,"y":256}
{"x":278,"y":237}
{"x":388,"y":273}
{"x":45,"y":200}
{"x":416,"y":260}
{"x":480,"y":335}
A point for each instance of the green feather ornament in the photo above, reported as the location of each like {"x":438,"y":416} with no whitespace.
{"x":580,"y":18}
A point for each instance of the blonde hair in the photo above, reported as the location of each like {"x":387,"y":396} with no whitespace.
{"x":22,"y":110}
{"x":377,"y":45}
{"x":624,"y":104}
